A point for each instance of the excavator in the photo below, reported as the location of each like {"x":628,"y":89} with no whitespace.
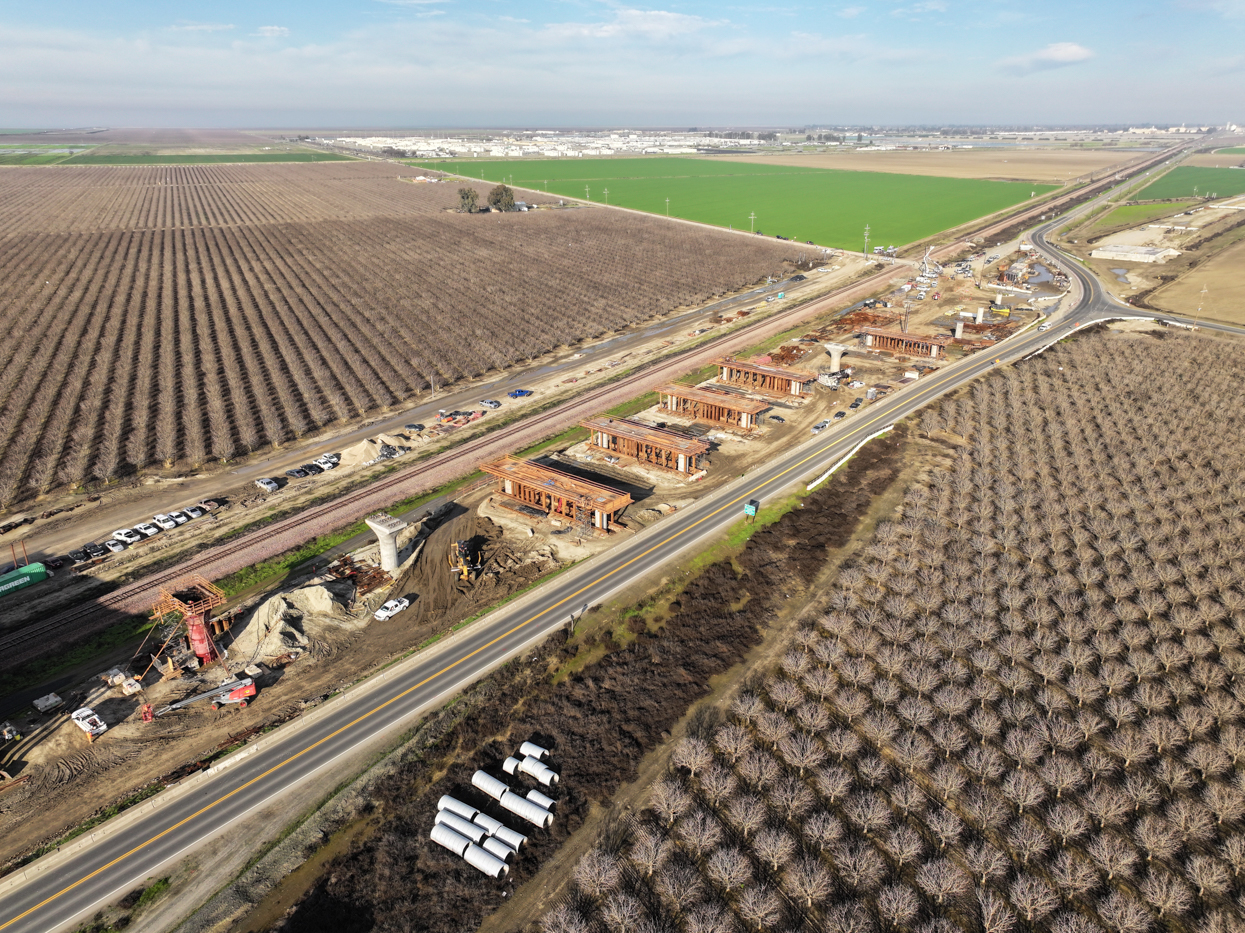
{"x":462,"y":562}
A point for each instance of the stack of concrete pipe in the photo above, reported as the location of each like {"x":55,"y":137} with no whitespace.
{"x":482,"y":841}
{"x":509,"y":800}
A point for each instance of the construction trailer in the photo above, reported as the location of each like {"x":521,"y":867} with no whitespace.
{"x":934,"y":348}
{"x":714,"y":405}
{"x":658,"y":447}
{"x":768,"y":380}
{"x":193,"y":599}
{"x":556,"y":493}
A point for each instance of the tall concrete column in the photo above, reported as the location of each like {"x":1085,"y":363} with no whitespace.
{"x":836,"y":352}
{"x":981,"y":313}
{"x":387,"y":529}
{"x":959,"y":329}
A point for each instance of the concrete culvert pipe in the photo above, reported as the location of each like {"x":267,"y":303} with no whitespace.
{"x":534,"y":750}
{"x":498,"y":848}
{"x":511,"y":838}
{"x":510,"y":765}
{"x":541,"y":800}
{"x":464,"y":828}
{"x":465,"y":810}
{"x":489,"y":784}
{"x":444,"y":836}
{"x":545,"y":775}
{"x":487,"y":823}
{"x":527,"y":810}
{"x":491,"y":865}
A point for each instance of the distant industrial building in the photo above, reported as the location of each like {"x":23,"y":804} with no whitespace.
{"x":1123,"y":253}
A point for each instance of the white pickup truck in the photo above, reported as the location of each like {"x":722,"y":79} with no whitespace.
{"x":89,"y":722}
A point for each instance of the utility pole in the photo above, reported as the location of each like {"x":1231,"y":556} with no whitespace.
{"x":866,"y":239}
{"x":607,"y":195}
{"x":667,"y":207}
{"x":1200,"y":302}
{"x":752,"y":219}
{"x":586,"y":198}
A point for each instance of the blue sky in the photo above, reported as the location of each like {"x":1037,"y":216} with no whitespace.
{"x":584,"y":62}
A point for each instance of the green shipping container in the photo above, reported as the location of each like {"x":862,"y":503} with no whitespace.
{"x":22,"y":577}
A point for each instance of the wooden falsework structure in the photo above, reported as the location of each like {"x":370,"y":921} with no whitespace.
{"x":768,"y":380}
{"x":935,"y":348}
{"x":715,"y":405}
{"x":555,"y":492}
{"x":669,"y":450}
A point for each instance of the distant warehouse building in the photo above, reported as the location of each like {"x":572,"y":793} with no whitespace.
{"x":1122,"y":253}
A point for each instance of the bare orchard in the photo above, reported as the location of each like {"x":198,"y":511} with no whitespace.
{"x":162,"y":316}
{"x":1022,"y":709}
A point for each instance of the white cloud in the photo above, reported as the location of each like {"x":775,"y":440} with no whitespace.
{"x":1055,"y":55}
{"x":272,"y":32}
{"x":201,"y":27}
{"x":851,"y":12}
{"x":652,"y":25}
{"x":412,"y":2}
{"x":923,"y":8}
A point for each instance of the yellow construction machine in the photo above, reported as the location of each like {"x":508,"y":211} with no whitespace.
{"x":462,"y":562}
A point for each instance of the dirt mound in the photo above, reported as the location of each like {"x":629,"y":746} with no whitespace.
{"x":376,"y":448}
{"x":294,"y":621}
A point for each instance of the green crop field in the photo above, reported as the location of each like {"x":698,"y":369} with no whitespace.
{"x":1235,"y":150}
{"x":1181,"y":181}
{"x":828,"y":206}
{"x":104,"y":159}
{"x":1131,"y":214}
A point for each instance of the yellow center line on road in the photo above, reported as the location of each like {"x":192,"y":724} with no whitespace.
{"x":931,"y":387}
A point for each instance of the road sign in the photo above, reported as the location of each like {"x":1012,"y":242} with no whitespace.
{"x":750,"y":508}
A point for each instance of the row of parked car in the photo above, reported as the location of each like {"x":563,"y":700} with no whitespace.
{"x":314,"y":468}
{"x":126,"y":537}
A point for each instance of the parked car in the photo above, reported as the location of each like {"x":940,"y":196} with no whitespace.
{"x":114,"y":545}
{"x":209,"y":505}
{"x":194,"y":511}
{"x":1045,"y":325}
{"x":337,"y":458}
{"x":779,"y":418}
{"x":127,"y":536}
{"x":413,"y":427}
{"x":312,"y":469}
{"x":821,"y":426}
{"x":164,"y":521}
{"x":391,"y":609}
{"x":95,"y":550}
{"x":520,"y":393}
{"x":296,"y":473}
{"x":180,"y":517}
{"x":325,"y":464}
{"x":839,"y":414}
{"x":147,"y":529}
{"x":799,"y":278}
{"x":857,"y":403}
{"x":491,"y":403}
{"x":77,"y":555}
{"x":266,"y":484}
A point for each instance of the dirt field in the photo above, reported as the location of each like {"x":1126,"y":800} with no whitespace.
{"x":183,"y":315}
{"x":1224,"y":282}
{"x":1215,"y":159}
{"x":1045,"y":166}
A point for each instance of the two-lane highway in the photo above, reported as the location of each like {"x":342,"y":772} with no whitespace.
{"x":79,"y":883}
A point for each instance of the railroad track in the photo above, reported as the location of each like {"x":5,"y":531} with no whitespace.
{"x":132,"y":599}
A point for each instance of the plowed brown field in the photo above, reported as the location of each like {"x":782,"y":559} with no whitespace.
{"x":177,"y":315}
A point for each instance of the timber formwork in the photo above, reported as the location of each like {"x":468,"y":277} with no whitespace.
{"x":714,"y":405}
{"x":555,"y":492}
{"x":935,"y":348}
{"x":768,"y":380}
{"x":670,"y":450}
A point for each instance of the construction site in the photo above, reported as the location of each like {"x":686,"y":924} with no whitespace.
{"x":214,"y":672}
